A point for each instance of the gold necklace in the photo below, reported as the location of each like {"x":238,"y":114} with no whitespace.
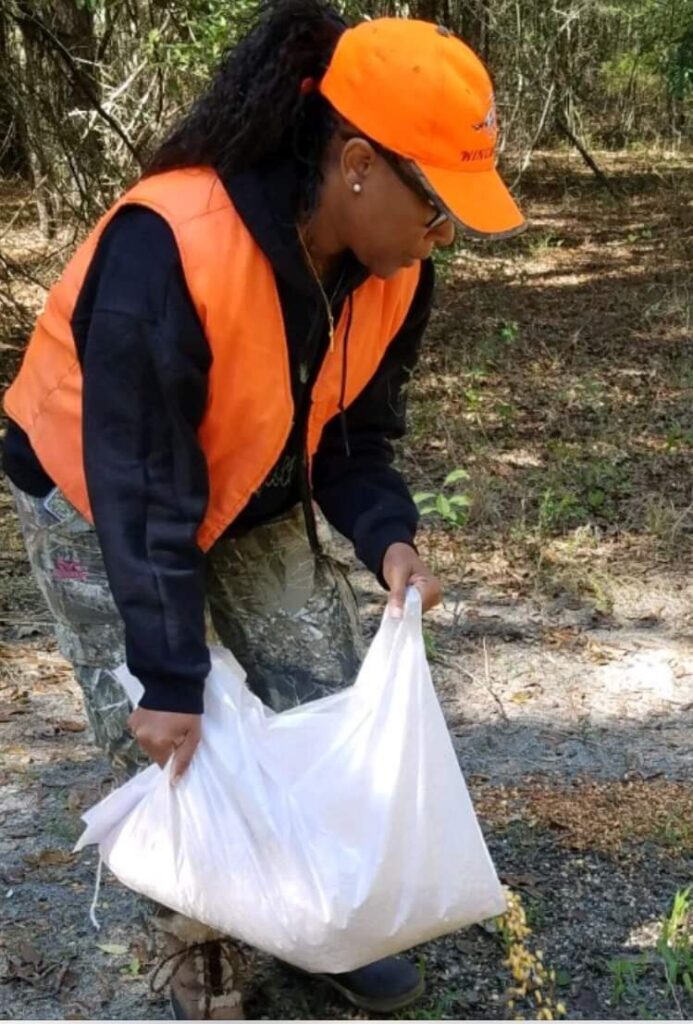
{"x":328,"y":307}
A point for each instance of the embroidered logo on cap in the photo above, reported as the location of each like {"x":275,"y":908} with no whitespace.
{"x":470,"y":155}
{"x":489,"y":125}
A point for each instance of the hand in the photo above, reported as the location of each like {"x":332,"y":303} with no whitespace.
{"x":162,"y":733}
{"x":402,"y":567}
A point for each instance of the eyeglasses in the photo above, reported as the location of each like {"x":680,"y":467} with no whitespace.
{"x":407,"y":178}
{"x":411,"y":181}
{"x":439,"y":218}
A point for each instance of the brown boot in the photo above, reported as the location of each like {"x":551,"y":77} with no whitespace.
{"x":203,"y":968}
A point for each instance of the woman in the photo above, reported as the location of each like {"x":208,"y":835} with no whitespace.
{"x":229,"y":345}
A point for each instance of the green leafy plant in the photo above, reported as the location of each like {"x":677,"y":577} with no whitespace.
{"x":580,"y":491}
{"x":625,"y":973}
{"x":204,"y":29}
{"x":673,"y":954}
{"x":453,"y":508}
{"x":675,"y":944}
{"x":508,"y":332}
{"x":558,"y":509}
{"x":474,"y":399}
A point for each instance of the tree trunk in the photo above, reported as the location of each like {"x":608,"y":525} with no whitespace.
{"x":14,"y":158}
{"x":428,"y":10}
{"x":58,"y":79}
{"x":474,"y":26}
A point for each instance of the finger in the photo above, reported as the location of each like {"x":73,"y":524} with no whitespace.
{"x":155,"y":750}
{"x":430,"y":590}
{"x":398,"y":590}
{"x":183,"y":755}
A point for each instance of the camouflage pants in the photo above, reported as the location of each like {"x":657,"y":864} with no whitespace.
{"x":288,"y":616}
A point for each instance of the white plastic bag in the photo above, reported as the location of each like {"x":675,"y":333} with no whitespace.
{"x":329,"y":835}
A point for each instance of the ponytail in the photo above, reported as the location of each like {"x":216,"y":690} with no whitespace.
{"x":260,"y":106}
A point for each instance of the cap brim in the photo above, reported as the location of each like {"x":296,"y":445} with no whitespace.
{"x":478,"y":200}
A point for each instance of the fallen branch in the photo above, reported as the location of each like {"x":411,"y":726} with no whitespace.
{"x":589,"y":160}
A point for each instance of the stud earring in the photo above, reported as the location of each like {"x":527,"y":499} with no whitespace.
{"x":356,"y":187}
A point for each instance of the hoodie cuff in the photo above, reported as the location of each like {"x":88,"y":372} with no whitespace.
{"x":372,"y":549}
{"x":168,"y":693}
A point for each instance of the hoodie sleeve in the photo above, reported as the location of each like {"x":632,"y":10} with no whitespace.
{"x":362,"y":494}
{"x":145,"y":363}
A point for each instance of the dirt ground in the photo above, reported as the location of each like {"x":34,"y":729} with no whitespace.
{"x":558,"y":373}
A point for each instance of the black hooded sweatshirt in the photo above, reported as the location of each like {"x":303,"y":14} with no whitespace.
{"x":145,"y":363}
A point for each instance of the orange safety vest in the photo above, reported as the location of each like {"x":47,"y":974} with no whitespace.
{"x":250,"y":408}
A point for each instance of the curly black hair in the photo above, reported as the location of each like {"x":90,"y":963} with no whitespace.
{"x":253,"y":110}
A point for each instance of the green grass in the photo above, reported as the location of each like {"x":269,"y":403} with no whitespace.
{"x":671,"y":960}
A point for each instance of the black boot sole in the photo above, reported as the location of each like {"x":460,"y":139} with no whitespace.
{"x":383,"y":1004}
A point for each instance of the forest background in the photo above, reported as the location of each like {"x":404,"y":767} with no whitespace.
{"x":550,"y":447}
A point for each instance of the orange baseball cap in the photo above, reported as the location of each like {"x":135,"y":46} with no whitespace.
{"x":419,"y":91}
